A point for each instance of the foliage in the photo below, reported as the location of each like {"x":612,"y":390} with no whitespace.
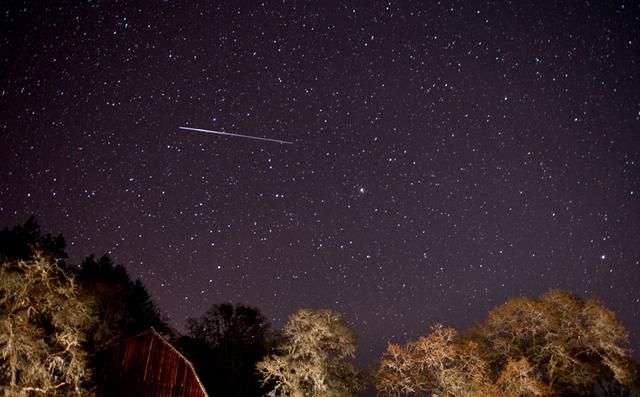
{"x":22,"y":241}
{"x":123,"y":307}
{"x":224,"y":345}
{"x":312,"y":358}
{"x":445,"y":365}
{"x":558,"y":345}
{"x":41,"y":329}
{"x":574,"y":345}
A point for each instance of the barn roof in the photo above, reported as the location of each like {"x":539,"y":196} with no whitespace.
{"x":147,"y":365}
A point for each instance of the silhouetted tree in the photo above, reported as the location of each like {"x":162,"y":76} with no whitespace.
{"x":224,"y":345}
{"x":124,"y":307}
{"x":22,"y":241}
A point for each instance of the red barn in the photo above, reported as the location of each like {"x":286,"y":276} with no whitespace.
{"x":147,"y":365}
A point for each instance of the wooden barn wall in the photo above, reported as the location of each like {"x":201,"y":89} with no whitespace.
{"x":147,"y":366}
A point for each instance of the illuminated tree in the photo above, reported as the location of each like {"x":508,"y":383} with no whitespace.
{"x":518,"y":379}
{"x":444,"y":364}
{"x":557,"y":345}
{"x":312,"y":359}
{"x":572,"y":344}
{"x":41,"y":329}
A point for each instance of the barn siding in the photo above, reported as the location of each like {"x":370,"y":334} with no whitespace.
{"x":148,"y":366}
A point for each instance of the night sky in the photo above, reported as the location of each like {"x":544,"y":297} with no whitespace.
{"x":446,"y":156}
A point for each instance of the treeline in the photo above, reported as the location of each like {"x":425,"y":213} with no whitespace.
{"x":57,"y":319}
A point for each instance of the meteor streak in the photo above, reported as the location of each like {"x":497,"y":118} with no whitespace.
{"x":238,"y":135}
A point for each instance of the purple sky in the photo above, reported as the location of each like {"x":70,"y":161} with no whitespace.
{"x":445,"y":157}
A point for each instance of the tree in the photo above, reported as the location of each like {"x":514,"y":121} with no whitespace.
{"x":574,"y":346}
{"x":124,"y":307}
{"x":558,"y":345}
{"x":444,"y":364}
{"x":312,"y":358}
{"x":224,"y":345}
{"x":22,"y":241}
{"x":41,"y":329}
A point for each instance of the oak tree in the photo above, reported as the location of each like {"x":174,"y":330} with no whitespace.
{"x":312,"y":358}
{"x":445,"y":364}
{"x":574,"y":345}
{"x":42,"y":323}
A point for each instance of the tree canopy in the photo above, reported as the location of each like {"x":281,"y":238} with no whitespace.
{"x":312,"y":358}
{"x":558,"y":345}
{"x":124,"y":307}
{"x":574,"y":344}
{"x":224,"y":345}
{"x":42,"y":329}
{"x":56,"y":318}
{"x":445,"y":364}
{"x":22,"y":241}
{"x":120,"y":307}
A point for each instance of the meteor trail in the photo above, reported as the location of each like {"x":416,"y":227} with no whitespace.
{"x":238,"y":135}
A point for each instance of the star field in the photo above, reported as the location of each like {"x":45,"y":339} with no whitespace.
{"x":446,"y":156}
